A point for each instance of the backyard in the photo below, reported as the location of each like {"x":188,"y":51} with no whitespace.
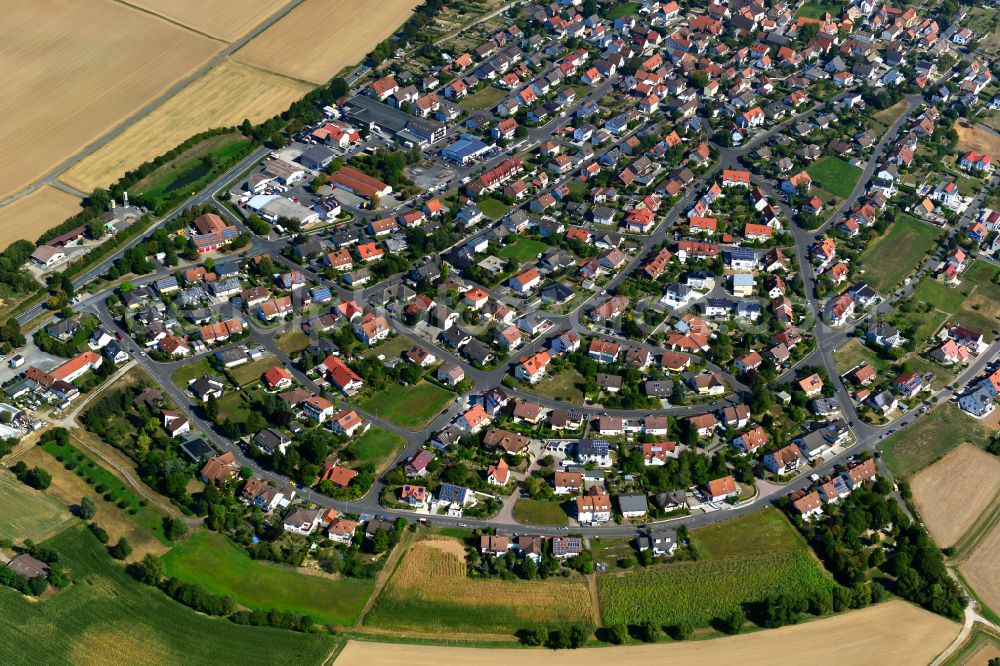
{"x":211,"y":560}
{"x":248,"y":373}
{"x":411,"y":407}
{"x":893,"y":256}
{"x":492,"y":207}
{"x":566,"y":384}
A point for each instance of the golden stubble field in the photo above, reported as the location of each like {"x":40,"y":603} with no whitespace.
{"x":890,"y":633}
{"x":225,"y":95}
{"x":74,"y":70}
{"x":224,"y":19}
{"x":975,"y":138}
{"x":27,"y":217}
{"x":982,"y":568}
{"x":319,"y":38}
{"x":953,"y":492}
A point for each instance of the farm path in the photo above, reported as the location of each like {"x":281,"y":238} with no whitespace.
{"x":385,"y":575}
{"x":595,"y":599}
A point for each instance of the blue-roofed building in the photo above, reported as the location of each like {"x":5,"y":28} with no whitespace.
{"x":321,"y":294}
{"x":453,"y":494}
{"x":464,"y":150}
{"x":741,"y":259}
{"x":225,"y":269}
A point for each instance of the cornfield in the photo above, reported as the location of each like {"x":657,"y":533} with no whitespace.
{"x":697,"y":592}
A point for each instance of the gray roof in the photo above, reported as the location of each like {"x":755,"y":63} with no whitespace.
{"x":632,"y":503}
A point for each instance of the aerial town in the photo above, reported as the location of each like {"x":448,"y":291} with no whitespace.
{"x":580,"y":324}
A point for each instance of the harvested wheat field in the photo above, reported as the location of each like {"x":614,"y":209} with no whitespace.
{"x":982,"y":569}
{"x":224,"y":19}
{"x":26,"y":218}
{"x":430,"y":592}
{"x":224,"y":96}
{"x":975,"y":138}
{"x":77,"y":68}
{"x":319,"y":38}
{"x":949,"y":508}
{"x":891,"y":633}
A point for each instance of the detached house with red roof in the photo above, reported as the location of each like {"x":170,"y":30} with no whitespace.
{"x":532,"y":368}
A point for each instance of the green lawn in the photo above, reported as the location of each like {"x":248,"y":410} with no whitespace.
{"x":564,"y":385}
{"x":234,"y":407}
{"x":944,"y":298}
{"x":26,"y":513}
{"x":189,"y":173}
{"x":766,"y":531}
{"x":377,"y":446}
{"x":620,"y":9}
{"x":522,"y":250}
{"x":391,"y":348}
{"x":932,"y":436}
{"x":250,"y":372}
{"x":211,"y":560}
{"x":539,"y":512}
{"x":852,"y":353}
{"x":486,"y":98}
{"x":192,"y":370}
{"x":493,"y":208}
{"x":411,"y":407}
{"x":817,"y":9}
{"x":108,"y":617}
{"x":292,"y":341}
{"x":111,"y":488}
{"x":835,"y":175}
{"x":893,"y":256}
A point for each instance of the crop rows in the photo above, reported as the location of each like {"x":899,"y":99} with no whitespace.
{"x":698,"y":592}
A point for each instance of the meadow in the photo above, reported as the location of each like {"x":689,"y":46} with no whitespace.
{"x":79,"y":74}
{"x":939,"y":431}
{"x":219,"y":565}
{"x":106,"y":618}
{"x":410,"y":407}
{"x":377,"y":446}
{"x":26,"y":513}
{"x":893,"y":256}
{"x":835,"y":176}
{"x":430,"y":592}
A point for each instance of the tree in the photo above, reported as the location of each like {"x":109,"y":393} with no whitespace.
{"x":734,"y":621}
{"x":149,"y":571}
{"x":648,"y":632}
{"x":617,"y":634}
{"x":88,"y":508}
{"x":380,"y":541}
{"x":121,"y":550}
{"x":533,"y":636}
{"x":173,"y":528}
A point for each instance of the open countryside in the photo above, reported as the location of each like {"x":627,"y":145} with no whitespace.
{"x":31,"y":215}
{"x":215,"y":17}
{"x":896,"y":631}
{"x":85,"y":61}
{"x":223,"y":96}
{"x":328,"y":35}
{"x":948,"y":508}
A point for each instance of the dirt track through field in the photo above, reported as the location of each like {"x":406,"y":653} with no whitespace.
{"x":890,"y":633}
{"x":948,"y":507}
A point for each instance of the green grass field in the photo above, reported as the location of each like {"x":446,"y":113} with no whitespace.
{"x":852,"y":353}
{"x":248,"y":373}
{"x":111,"y":488}
{"x":190,"y":172}
{"x":108,"y":618}
{"x":377,"y":446}
{"x":234,"y":407}
{"x":26,"y":513}
{"x":939,"y":431}
{"x":835,"y":175}
{"x":221,"y":566}
{"x":817,"y":9}
{"x":411,"y":407}
{"x":486,"y":98}
{"x":564,"y":385}
{"x":193,"y":370}
{"x":493,"y":208}
{"x":522,"y":250}
{"x":758,"y":533}
{"x":292,"y":341}
{"x":891,"y":258}
{"x":743,"y":561}
{"x":539,"y":512}
{"x":620,"y":9}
